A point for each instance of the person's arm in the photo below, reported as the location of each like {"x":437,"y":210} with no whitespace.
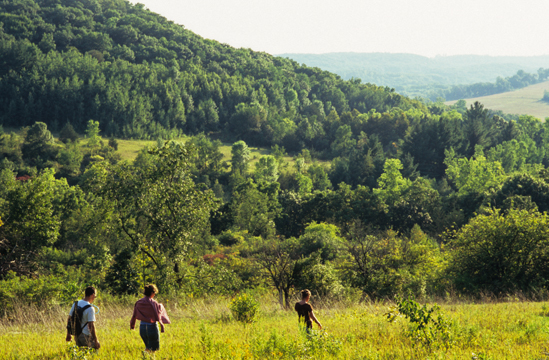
{"x":91,"y":327}
{"x":69,"y":336}
{"x":158,"y":314}
{"x":134,"y":318}
{"x":313,"y":317}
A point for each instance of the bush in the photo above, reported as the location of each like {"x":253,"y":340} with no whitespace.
{"x":67,"y":134}
{"x":245,"y":308}
{"x":16,"y":291}
{"x":501,"y":253}
{"x":425,"y":328}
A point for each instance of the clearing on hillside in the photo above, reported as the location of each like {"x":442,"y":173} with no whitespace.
{"x":523,"y":101}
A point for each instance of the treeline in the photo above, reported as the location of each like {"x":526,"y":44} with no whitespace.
{"x":142,"y":76}
{"x":182,"y":217}
{"x":518,"y":81}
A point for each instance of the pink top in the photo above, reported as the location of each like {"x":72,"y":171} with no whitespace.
{"x":149,"y":310}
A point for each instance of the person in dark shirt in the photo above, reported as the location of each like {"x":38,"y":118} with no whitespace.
{"x":305,"y":310}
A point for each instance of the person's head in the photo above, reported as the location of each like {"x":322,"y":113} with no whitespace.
{"x":305,"y":294}
{"x":150,"y":290}
{"x":90,"y":294}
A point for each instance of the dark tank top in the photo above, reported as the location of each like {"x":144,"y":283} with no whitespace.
{"x":304,"y":311}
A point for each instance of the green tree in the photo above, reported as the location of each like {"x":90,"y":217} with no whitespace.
{"x":266,"y":169}
{"x":92,"y":134}
{"x":474,"y":175}
{"x":279,"y":262}
{"x":391,"y":183}
{"x":31,"y":220}
{"x":323,"y":238}
{"x":254,"y":210}
{"x":67,"y":134}
{"x":37,"y":148}
{"x":501,"y":253}
{"x":158,"y":207}
{"x":240,"y":157}
{"x":385,"y":264}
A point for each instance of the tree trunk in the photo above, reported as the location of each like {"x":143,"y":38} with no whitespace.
{"x":287,"y":298}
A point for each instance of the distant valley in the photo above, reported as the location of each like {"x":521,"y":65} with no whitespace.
{"x":415,"y":75}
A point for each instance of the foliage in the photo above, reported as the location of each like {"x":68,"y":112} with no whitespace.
{"x":245,"y":308}
{"x":425,"y":328}
{"x":158,"y":207}
{"x":23,"y":291}
{"x":391,"y":183}
{"x":386,"y":265}
{"x":68,"y":133}
{"x":501,"y":253}
{"x":475,"y":175}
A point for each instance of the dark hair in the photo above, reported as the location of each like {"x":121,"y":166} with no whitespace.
{"x":149,"y":289}
{"x":90,"y":290}
{"x":305,"y":293}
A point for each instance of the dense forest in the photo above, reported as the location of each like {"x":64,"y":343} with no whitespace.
{"x":142,"y":76}
{"x":385,"y":195}
{"x":449,"y":77}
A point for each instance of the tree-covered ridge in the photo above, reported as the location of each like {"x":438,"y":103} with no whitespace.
{"x":142,"y":76}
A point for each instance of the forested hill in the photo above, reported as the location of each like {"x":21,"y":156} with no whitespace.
{"x":416,"y":75}
{"x":142,"y":76}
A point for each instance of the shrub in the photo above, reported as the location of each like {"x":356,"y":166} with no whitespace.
{"x":425,"y":328}
{"x":245,"y":308}
{"x":67,"y":134}
{"x":16,"y":291}
{"x":501,"y":253}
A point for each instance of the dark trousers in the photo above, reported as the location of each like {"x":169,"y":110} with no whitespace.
{"x":150,"y":335}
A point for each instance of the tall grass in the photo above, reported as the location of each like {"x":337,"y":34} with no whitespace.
{"x":204,"y":329}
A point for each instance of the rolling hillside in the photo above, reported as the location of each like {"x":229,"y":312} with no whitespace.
{"x":522,"y":101}
{"x":413,"y":75}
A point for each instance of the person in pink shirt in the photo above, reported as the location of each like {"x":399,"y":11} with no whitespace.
{"x":149,"y":312}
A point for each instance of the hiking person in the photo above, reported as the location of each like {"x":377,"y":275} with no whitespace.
{"x":305,"y":311}
{"x":150,"y":313}
{"x":81,"y":322}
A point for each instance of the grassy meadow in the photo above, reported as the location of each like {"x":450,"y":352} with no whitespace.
{"x":205,"y":330}
{"x":523,"y":101}
{"x":128,"y":150}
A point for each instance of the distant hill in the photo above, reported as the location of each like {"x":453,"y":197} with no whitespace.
{"x":523,"y":101}
{"x":416,"y":75}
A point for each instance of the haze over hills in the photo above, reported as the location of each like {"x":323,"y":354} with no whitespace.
{"x":416,"y":75}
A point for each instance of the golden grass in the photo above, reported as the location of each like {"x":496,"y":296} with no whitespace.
{"x":204,"y":330}
{"x":523,"y":101}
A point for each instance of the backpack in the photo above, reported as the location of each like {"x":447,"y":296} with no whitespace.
{"x":74,"y":325}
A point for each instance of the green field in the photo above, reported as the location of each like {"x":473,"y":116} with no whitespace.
{"x":128,"y":149}
{"x":205,"y":330}
{"x":524,"y":101}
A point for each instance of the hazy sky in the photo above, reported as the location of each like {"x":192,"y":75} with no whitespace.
{"x":424,"y":27}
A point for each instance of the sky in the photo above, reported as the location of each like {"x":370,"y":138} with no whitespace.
{"x":424,"y":27}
